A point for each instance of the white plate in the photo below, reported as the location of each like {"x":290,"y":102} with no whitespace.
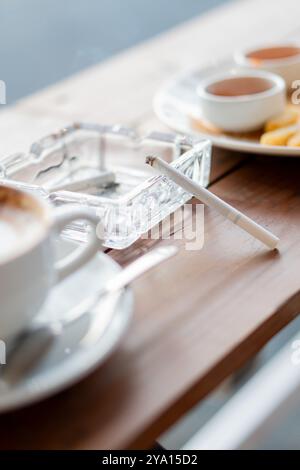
{"x":75,"y":353}
{"x":176,"y":104}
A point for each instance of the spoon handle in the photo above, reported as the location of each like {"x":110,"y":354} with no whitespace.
{"x":139,"y":267}
{"x":124,"y":278}
{"x":35,"y":343}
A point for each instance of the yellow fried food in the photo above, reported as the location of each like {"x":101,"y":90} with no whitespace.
{"x":279,"y":136}
{"x":288,"y":117}
{"x":294,"y":141}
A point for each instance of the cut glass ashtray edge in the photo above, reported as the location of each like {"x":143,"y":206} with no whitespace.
{"x":76,"y":165}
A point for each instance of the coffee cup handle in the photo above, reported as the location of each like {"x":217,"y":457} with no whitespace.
{"x":62,"y":217}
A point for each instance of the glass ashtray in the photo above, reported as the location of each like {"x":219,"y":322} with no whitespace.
{"x":103,"y":167}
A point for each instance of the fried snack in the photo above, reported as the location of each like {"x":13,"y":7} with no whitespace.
{"x":294,"y":141}
{"x":279,"y":136}
{"x":287,"y":118}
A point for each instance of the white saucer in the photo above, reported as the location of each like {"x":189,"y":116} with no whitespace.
{"x":176,"y":104}
{"x":84,"y":344}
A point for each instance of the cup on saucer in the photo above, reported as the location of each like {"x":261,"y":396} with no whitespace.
{"x":28,"y":269}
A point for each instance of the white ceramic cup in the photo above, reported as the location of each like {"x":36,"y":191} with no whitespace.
{"x":281,"y":59}
{"x":243,"y":112}
{"x":28,"y":271}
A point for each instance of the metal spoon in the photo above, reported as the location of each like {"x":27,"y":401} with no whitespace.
{"x":33,"y":344}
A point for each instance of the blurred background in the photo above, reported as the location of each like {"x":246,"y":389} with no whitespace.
{"x":42,"y":42}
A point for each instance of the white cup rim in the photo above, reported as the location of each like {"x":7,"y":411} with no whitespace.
{"x":278,"y":86}
{"x":241,"y":56}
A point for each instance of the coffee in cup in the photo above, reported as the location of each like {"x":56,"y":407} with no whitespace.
{"x":28,"y":269}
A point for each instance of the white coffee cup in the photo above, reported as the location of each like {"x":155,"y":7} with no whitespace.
{"x":28,"y":269}
{"x":241,"y":101}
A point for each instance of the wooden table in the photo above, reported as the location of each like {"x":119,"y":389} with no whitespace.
{"x":203,"y":314}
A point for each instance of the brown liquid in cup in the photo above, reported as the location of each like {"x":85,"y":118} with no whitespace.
{"x":274,"y":53}
{"x":239,"y":86}
{"x":21,"y":221}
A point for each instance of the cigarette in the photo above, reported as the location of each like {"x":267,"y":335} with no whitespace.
{"x":204,"y":195}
